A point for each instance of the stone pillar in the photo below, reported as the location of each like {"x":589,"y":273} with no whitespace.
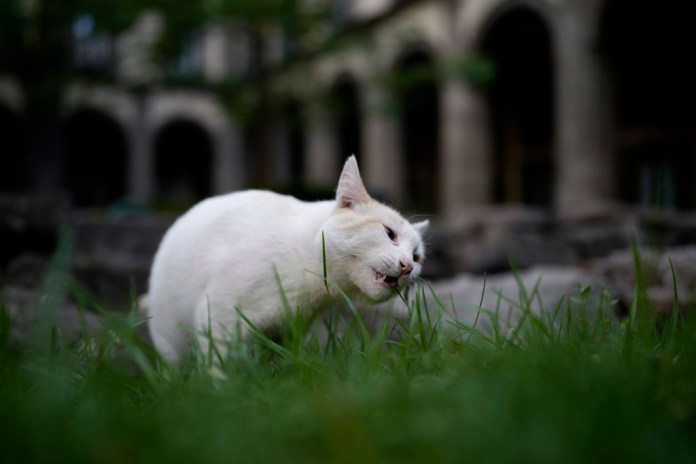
{"x":141,"y":151}
{"x":465,"y":167}
{"x":322,"y":163}
{"x":382,"y":161}
{"x":585,"y":166}
{"x":215,"y":52}
{"x":228,"y":159}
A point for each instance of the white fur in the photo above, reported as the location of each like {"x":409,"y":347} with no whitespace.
{"x":220,"y":257}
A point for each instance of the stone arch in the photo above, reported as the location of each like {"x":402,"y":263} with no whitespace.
{"x":222,"y":132}
{"x":475,"y":19}
{"x":13,"y":172}
{"x":652,"y":81}
{"x":414,"y":48}
{"x":417,"y":95}
{"x":520,"y":101}
{"x":95,"y":158}
{"x":183,"y":156}
{"x":345,"y":104}
{"x":126,"y":109}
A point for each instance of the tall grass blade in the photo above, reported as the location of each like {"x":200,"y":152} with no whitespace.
{"x":56,"y":285}
{"x":674,"y":321}
{"x":258,"y":334}
{"x":643,"y":321}
{"x":364,"y":333}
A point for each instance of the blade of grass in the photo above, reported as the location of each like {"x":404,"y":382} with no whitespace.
{"x":273,"y":346}
{"x":674,"y":320}
{"x":365,"y":335}
{"x":55,"y":288}
{"x":642,"y":320}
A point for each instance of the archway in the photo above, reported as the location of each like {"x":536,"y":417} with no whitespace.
{"x":520,"y":100}
{"x":183,"y":163}
{"x":648,"y":51}
{"x":95,"y":158}
{"x":345,"y":103}
{"x":295,"y":132}
{"x":417,"y":96}
{"x":13,"y":175}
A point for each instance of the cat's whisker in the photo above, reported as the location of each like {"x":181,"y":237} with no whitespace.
{"x":419,"y":216}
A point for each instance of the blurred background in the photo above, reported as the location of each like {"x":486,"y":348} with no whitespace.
{"x":544,"y":130}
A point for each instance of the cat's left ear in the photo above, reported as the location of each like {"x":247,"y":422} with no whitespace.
{"x":351,"y":190}
{"x":421,"y":226}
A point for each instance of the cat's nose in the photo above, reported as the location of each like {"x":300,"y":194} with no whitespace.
{"x":406,"y":267}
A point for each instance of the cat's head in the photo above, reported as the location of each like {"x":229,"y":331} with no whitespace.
{"x":372,"y":251}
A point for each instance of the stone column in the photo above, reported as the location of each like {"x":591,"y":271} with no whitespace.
{"x":228,"y":161}
{"x":585,"y":166}
{"x":381,"y":154}
{"x":141,"y":165}
{"x":465,"y":167}
{"x":322,"y":163}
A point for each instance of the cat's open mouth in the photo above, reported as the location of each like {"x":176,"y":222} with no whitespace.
{"x":387,"y":279}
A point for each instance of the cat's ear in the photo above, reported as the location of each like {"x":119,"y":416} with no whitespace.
{"x":351,"y":190}
{"x":421,"y":226}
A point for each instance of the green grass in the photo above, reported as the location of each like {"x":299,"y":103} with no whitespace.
{"x":550,"y":389}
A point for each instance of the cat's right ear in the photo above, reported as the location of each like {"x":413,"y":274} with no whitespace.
{"x":351,"y":190}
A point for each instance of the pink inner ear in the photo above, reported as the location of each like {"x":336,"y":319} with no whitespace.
{"x":351,"y":189}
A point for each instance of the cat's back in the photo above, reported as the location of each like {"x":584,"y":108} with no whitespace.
{"x":248,"y":212}
{"x":247,"y":205}
{"x":250,"y":221}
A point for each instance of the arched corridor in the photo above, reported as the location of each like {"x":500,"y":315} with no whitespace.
{"x":648,"y":53}
{"x":520,"y":100}
{"x":417,"y":95}
{"x":95,"y":158}
{"x":345,"y":103}
{"x":183,"y":163}
{"x":295,"y":129}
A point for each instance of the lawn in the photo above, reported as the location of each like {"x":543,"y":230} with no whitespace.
{"x":591,"y":388}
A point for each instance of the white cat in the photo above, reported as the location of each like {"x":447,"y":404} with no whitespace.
{"x":220,"y":259}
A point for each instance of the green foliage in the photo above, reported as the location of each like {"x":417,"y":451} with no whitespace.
{"x":477,"y":69}
{"x":571,"y":383}
{"x":35,"y":35}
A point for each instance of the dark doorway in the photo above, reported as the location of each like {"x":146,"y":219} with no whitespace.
{"x":95,"y":159}
{"x":345,"y":102}
{"x":417,"y":96}
{"x":295,"y":127}
{"x":183,"y":163}
{"x":648,"y":50}
{"x":13,"y":175}
{"x":520,"y":100}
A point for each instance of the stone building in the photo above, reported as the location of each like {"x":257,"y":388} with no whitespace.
{"x":568,"y":105}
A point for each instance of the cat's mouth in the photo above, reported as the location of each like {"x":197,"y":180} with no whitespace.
{"x":389,"y":281}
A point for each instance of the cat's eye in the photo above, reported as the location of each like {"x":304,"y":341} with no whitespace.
{"x":417,"y":258}
{"x":390,"y":233}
